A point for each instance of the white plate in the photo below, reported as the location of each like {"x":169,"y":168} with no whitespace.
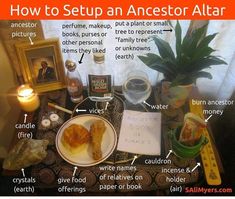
{"x":84,"y":157}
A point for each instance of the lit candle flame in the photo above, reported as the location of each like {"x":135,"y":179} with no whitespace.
{"x":28,"y":99}
{"x":25,"y":92}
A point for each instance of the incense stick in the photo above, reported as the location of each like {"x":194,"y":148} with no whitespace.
{"x":59,"y":108}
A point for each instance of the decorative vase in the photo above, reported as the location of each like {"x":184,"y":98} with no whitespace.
{"x":183,"y":151}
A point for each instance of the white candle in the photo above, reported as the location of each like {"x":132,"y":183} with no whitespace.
{"x":54,"y":117}
{"x":46,"y":123}
{"x":28,"y":99}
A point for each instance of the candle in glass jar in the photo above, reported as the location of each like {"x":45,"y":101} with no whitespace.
{"x":28,"y":99}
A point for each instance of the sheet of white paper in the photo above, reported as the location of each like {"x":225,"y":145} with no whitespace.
{"x":140,"y":133}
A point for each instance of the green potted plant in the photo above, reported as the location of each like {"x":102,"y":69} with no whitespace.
{"x":181,"y":69}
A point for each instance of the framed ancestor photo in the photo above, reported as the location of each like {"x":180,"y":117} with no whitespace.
{"x":41,"y":64}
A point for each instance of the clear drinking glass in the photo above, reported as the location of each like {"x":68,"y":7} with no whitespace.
{"x":137,"y":87}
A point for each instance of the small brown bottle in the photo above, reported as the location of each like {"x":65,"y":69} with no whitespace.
{"x":74,"y":82}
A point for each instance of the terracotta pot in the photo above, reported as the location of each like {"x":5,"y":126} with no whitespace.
{"x":175,"y":96}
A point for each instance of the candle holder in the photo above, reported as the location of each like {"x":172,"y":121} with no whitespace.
{"x":28,"y":99}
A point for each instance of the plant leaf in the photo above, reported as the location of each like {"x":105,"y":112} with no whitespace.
{"x":163,"y":69}
{"x":184,"y":62}
{"x":203,"y":63}
{"x":186,"y":43}
{"x":150,"y":59}
{"x":206,"y":40}
{"x":203,"y":52}
{"x":216,"y":61}
{"x":191,"y":41}
{"x":201,"y":74}
{"x":164,"y":48}
{"x":169,"y":21}
{"x":178,"y":33}
{"x":155,"y":62}
{"x":179,"y":79}
{"x":170,"y":64}
{"x":197,"y":36}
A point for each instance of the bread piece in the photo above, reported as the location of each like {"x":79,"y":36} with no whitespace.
{"x":97,"y":130}
{"x":74,"y":137}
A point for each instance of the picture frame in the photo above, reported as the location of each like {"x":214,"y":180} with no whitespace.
{"x":41,"y":64}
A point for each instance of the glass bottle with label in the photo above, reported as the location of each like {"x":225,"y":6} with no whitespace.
{"x":74,"y":82}
{"x":100,"y":82}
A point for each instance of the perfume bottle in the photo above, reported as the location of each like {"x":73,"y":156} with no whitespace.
{"x":74,"y":82}
{"x":101,"y":81}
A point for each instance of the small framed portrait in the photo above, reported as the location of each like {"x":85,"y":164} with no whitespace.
{"x":42,"y":65}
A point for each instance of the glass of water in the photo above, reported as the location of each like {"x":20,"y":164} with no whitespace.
{"x":137,"y":87}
